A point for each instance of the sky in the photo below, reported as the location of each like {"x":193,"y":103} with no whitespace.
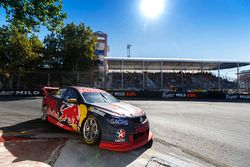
{"x":196,"y":29}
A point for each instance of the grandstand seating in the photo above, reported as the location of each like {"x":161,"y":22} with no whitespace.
{"x":201,"y":81}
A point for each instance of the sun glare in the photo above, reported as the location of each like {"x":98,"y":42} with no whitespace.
{"x":152,"y":8}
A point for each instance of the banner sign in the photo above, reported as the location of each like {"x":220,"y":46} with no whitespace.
{"x":238,"y":97}
{"x":136,"y":94}
{"x":20,"y":92}
{"x":144,"y":94}
{"x":173,"y":95}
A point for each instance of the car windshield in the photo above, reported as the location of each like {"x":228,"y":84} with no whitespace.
{"x":99,"y":97}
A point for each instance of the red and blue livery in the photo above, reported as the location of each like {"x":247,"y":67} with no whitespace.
{"x":98,"y":116}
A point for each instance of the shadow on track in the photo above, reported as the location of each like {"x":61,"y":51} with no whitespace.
{"x":23,"y":141}
{"x":40,"y":141}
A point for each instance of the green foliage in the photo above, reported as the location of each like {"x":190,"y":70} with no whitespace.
{"x":52,"y":51}
{"x":77,"y":46}
{"x":28,"y":15}
{"x":73,"y":49}
{"x":17,"y":50}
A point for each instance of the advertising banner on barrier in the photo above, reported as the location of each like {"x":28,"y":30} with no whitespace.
{"x":238,"y":97}
{"x":144,"y":94}
{"x":136,"y":94}
{"x":213,"y":95}
{"x":174,"y":95}
{"x":20,"y":92}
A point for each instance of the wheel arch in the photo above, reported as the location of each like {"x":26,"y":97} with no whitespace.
{"x":89,"y":114}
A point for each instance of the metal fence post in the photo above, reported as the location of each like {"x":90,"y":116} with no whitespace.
{"x":161,"y":75}
{"x":143,"y":75}
{"x":77,"y":77}
{"x":238,"y":78}
{"x":48,"y":78}
{"x":219,"y":81}
{"x":18,"y":79}
{"x":182,"y":77}
{"x":122,"y":75}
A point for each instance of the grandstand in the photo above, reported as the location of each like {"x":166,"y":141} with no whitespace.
{"x":169,"y":74}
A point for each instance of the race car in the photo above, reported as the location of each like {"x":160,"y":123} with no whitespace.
{"x":98,"y":116}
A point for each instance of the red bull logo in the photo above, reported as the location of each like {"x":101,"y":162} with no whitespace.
{"x":70,"y":113}
{"x":53,"y":113}
{"x":52,"y":103}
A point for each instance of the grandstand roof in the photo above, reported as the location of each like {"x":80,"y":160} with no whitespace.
{"x":245,"y":72}
{"x":115,"y":63}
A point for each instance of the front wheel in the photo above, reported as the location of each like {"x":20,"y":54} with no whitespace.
{"x":91,"y":131}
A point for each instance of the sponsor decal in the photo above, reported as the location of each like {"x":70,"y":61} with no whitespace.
{"x":180,"y":94}
{"x":238,"y":97}
{"x":118,"y":121}
{"x":98,"y":112}
{"x":83,"y":114}
{"x":172,"y":95}
{"x":245,"y":97}
{"x":125,"y":94}
{"x":50,"y":119}
{"x":53,"y":113}
{"x":87,"y":90}
{"x":130,"y":94}
{"x":70,"y":113}
{"x":231,"y":96}
{"x":4,"y":93}
{"x":51,"y":103}
{"x":119,"y":140}
{"x":167,"y":95}
{"x":28,"y":92}
{"x":142,"y":128}
{"x":191,"y":95}
{"x":119,"y":94}
{"x":20,"y":92}
{"x":120,"y":134}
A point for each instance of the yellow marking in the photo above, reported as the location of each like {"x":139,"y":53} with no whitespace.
{"x":74,"y":127}
{"x":83,"y":113}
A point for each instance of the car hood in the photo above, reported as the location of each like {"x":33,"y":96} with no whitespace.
{"x":121,"y":109}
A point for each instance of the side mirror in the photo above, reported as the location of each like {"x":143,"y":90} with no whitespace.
{"x":73,"y":101}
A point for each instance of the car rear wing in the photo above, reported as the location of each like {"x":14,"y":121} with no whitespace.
{"x":49,"y":90}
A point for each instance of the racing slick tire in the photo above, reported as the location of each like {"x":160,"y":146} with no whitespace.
{"x":91,"y":130}
{"x":44,"y":113}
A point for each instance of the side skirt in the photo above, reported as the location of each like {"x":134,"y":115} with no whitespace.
{"x":57,"y":123}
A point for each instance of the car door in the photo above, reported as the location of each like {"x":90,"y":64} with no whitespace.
{"x":69,"y":108}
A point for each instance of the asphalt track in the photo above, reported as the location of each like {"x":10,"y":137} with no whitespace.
{"x":185,"y":134}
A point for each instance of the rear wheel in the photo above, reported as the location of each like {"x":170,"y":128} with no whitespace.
{"x":44,"y":113}
{"x":91,"y":130}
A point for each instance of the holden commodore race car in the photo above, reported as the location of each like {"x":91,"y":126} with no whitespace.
{"x":98,"y":116}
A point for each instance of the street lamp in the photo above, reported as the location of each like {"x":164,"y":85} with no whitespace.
{"x":128,"y":50}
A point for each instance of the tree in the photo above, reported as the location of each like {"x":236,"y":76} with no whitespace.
{"x":28,"y":15}
{"x":52,"y":51}
{"x":77,"y":46}
{"x":17,"y":50}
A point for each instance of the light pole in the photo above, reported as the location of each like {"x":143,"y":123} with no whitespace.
{"x":128,"y":50}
